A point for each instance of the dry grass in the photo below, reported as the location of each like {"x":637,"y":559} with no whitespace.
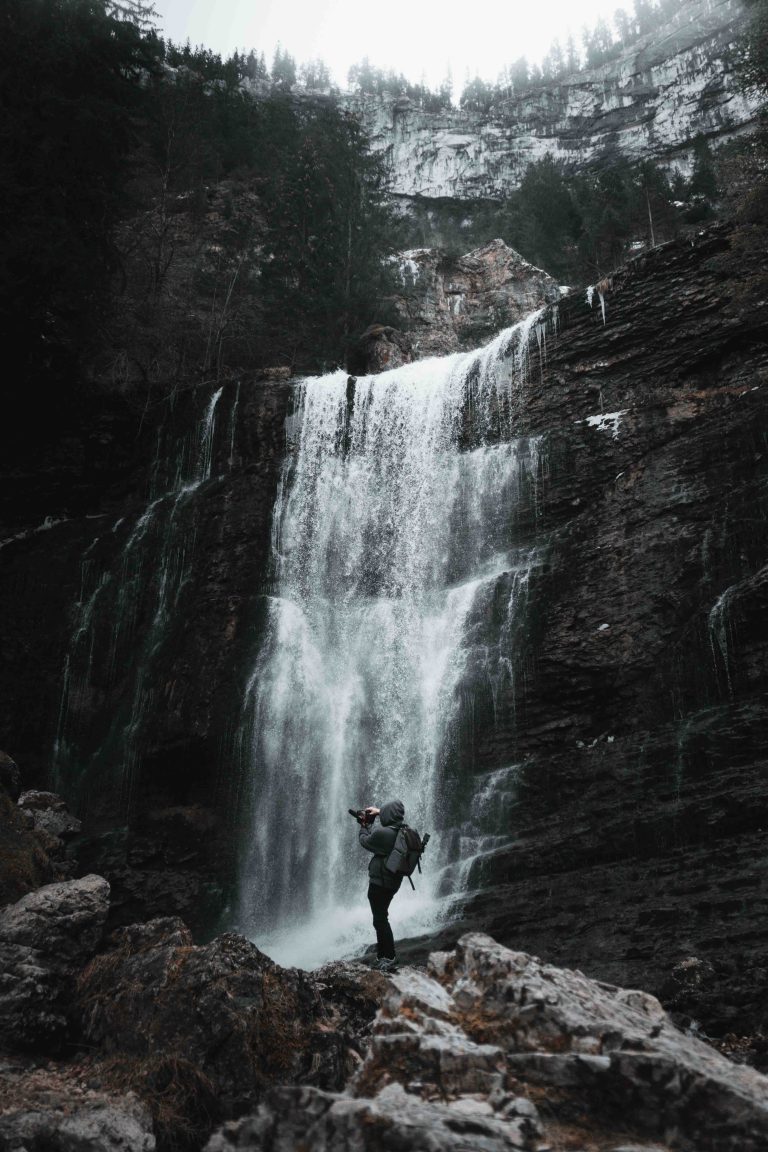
{"x":180,"y":1097}
{"x":23,"y":863}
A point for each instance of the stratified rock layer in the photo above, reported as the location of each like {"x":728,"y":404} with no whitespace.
{"x":652,"y":101}
{"x":636,"y":816}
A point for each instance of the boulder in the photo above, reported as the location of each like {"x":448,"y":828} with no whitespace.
{"x":53,"y":825}
{"x":50,"y":813}
{"x":223,"y":1012}
{"x":47,"y":1109}
{"x":10,"y":777}
{"x":492,"y":1049}
{"x":64,"y":922}
{"x":44,"y":939}
{"x":380,"y":347}
{"x":393,"y":1121}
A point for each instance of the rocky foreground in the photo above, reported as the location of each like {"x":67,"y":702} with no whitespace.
{"x":144,"y":1040}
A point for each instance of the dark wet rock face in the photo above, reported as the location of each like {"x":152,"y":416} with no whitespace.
{"x":154,"y":819}
{"x":25,"y":851}
{"x":637,"y":716}
{"x":10,"y":777}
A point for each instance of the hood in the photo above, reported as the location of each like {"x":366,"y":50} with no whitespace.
{"x":392,"y":813}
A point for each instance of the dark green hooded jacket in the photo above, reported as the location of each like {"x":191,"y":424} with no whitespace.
{"x":381,"y":840}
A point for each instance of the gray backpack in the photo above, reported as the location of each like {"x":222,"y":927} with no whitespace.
{"x":405,"y":856}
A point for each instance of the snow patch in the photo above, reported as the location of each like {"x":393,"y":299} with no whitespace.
{"x":606,"y":420}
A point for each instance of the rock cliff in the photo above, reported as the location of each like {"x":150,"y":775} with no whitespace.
{"x":650,"y":102}
{"x":78,"y":694}
{"x":629,"y":745}
{"x":622,"y":765}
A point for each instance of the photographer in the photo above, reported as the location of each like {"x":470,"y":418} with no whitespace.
{"x":383,"y":884}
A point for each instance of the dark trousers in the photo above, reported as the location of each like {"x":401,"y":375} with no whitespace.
{"x":380,"y":900}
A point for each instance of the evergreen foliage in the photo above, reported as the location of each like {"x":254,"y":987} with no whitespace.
{"x":328,"y":219}
{"x":603,"y":42}
{"x":114,"y":145}
{"x":370,"y":81}
{"x":72,"y":99}
{"x":577,"y":226}
{"x":749,"y":160}
{"x":754,"y":65}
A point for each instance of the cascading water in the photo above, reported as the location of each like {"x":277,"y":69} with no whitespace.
{"x":123,"y":613}
{"x":393,"y":530}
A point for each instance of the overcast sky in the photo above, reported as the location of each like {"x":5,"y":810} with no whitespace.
{"x":411,"y":36}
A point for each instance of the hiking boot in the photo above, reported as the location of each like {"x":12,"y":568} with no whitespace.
{"x":384,"y":964}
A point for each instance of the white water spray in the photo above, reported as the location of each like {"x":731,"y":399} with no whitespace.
{"x":393,"y":527}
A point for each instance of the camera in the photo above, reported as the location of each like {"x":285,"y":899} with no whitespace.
{"x":363,"y":818}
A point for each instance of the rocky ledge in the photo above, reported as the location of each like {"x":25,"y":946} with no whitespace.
{"x":454,"y":303}
{"x":176,"y":1046}
{"x":491,"y":1049}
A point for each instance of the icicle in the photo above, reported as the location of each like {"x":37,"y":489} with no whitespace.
{"x":233,"y":427}
{"x":720,"y":633}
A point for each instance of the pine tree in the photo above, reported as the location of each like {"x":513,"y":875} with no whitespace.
{"x":518,"y":73}
{"x":753,"y":69}
{"x":141,"y":13}
{"x":558,"y":60}
{"x":329,"y":230}
{"x":603,"y":39}
{"x":703,"y":181}
{"x":445,"y":91}
{"x":72,"y":90}
{"x":590,"y":46}
{"x":572,"y":61}
{"x":623,"y":25}
{"x":644,"y":16}
{"x":547,"y":223}
{"x":283,"y":69}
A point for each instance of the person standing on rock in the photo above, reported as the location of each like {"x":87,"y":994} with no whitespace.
{"x":383,"y":884}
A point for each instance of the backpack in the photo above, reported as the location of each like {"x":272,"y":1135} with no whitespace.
{"x":405,"y":856}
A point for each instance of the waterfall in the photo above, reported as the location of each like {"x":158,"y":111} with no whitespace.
{"x":123,"y":614}
{"x":720,"y":628}
{"x":393,"y":532}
